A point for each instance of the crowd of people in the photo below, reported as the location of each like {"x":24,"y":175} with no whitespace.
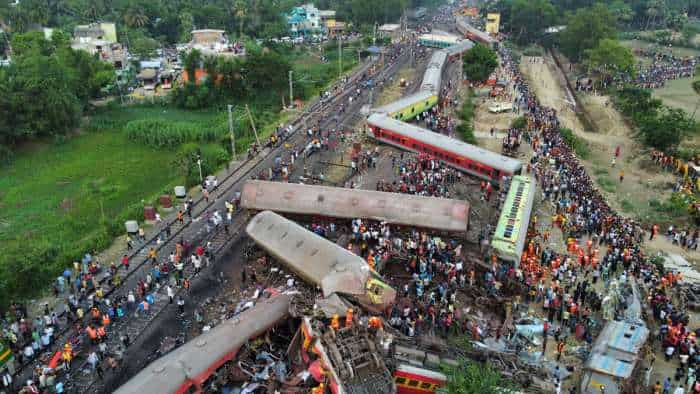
{"x":612,"y":249}
{"x":663,"y":67}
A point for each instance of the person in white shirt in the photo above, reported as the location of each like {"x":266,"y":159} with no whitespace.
{"x":679,"y":389}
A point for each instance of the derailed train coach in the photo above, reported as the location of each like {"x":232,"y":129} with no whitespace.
{"x":190,"y":367}
{"x":320,"y":262}
{"x":465,"y":157}
{"x":437,"y":214}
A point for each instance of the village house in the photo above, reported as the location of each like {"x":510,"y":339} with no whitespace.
{"x":101,"y":39}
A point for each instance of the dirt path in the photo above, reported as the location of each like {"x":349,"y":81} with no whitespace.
{"x":643,"y":183}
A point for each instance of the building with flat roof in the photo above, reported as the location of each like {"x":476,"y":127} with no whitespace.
{"x":99,"y":39}
{"x":308,"y":20}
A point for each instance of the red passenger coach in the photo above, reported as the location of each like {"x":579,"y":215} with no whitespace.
{"x":414,"y":380}
{"x":465,"y":157}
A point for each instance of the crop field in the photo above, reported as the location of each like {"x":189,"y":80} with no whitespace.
{"x":59,"y":199}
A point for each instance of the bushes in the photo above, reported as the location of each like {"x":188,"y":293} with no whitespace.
{"x":467,"y":133}
{"x":519,"y":123}
{"x":575,"y":143}
{"x":212,"y":156}
{"x":657,"y":125}
{"x":466,"y":114}
{"x":160,"y":133}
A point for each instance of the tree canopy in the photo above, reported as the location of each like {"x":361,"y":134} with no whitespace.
{"x":585,"y":29}
{"x":479,"y":63}
{"x":172,"y":21}
{"x":611,"y":55}
{"x":263,"y":71}
{"x":46,"y":87}
{"x":527,"y":19}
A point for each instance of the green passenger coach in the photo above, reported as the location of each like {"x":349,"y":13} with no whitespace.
{"x":509,"y":239}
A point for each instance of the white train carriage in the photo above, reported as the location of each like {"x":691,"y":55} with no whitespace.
{"x":319,"y":261}
{"x":433,"y":213}
{"x":433,"y":74}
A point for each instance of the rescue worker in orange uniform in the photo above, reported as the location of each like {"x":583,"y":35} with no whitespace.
{"x":348,"y":318}
{"x":101,"y":333}
{"x":92,"y":334}
{"x":375,"y":322}
{"x":320,"y":389}
{"x":67,"y":355}
{"x":370,"y":260}
{"x":335,"y":322}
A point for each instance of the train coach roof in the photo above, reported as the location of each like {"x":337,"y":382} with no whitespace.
{"x":404,"y":102}
{"x":198,"y":358}
{"x":438,"y":59}
{"x":491,"y":159}
{"x":459,"y":48}
{"x":462,"y":22}
{"x":314,"y":258}
{"x":427,"y":212}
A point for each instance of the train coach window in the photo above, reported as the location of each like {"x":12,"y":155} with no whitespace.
{"x":400,"y":380}
{"x":413,"y":383}
{"x":425,"y":385}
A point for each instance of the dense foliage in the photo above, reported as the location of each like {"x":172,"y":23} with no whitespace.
{"x":46,"y":87}
{"x":526,"y":20}
{"x":168,"y":22}
{"x":466,"y":114}
{"x":640,"y":14}
{"x":658,"y":126}
{"x":262,"y":75}
{"x":470,"y":377}
{"x":585,"y":29}
{"x":161,"y":133}
{"x":611,"y":55}
{"x":479,"y":63}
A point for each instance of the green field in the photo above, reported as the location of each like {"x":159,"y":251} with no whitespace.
{"x":53,"y":195}
{"x":679,"y":93}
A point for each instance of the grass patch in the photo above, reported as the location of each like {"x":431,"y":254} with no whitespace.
{"x":53,"y":194}
{"x":598,"y":171}
{"x":606,"y":183}
{"x":626,"y":206}
{"x":679,"y":93}
{"x":466,"y":115}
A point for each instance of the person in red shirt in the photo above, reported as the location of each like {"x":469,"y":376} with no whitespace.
{"x":125,"y":262}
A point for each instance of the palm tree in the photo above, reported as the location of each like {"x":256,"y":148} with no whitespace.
{"x":239,"y":11}
{"x":135,"y":17}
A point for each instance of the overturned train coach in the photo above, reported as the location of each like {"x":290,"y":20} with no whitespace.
{"x":465,"y":157}
{"x":437,"y":214}
{"x":188,"y":368}
{"x":320,"y":261}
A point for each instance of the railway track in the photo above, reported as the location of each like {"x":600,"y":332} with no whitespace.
{"x":133,"y":325}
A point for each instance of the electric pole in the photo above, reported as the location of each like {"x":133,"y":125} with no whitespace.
{"x":230,"y":129}
{"x":374,"y":35}
{"x":252,"y":123}
{"x":340,"y":56}
{"x":291,"y":91}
